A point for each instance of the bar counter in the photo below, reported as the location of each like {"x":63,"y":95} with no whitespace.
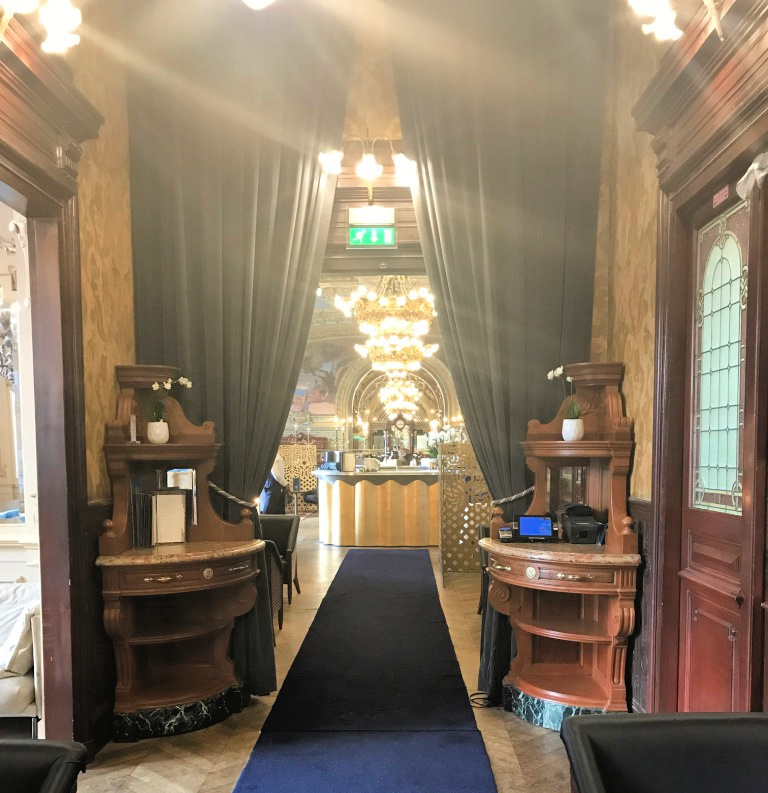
{"x":390,"y":507}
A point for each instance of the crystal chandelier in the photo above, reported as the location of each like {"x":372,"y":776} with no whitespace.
{"x":395,"y":354}
{"x":400,"y":397}
{"x":394,"y":318}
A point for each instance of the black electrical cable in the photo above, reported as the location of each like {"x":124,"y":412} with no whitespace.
{"x":479,"y":699}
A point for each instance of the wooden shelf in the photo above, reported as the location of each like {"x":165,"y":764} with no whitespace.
{"x":177,"y":687}
{"x":570,"y":688}
{"x":179,"y":633}
{"x":593,"y":625}
{"x":587,"y":449}
{"x":568,"y":630}
{"x":170,"y":453}
{"x":169,"y":609}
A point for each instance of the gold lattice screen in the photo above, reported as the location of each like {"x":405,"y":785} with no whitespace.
{"x":465,"y":506}
{"x":301,"y":460}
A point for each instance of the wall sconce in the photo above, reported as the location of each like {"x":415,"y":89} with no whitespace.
{"x":59,"y":18}
{"x":368,"y":168}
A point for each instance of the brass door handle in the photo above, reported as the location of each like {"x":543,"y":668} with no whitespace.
{"x":567,"y":577}
{"x":163,"y":579}
{"x":239,"y":567}
{"x":501,"y":567}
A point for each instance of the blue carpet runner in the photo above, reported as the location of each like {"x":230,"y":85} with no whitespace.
{"x":374,"y":701}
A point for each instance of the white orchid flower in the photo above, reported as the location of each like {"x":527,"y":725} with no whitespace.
{"x":167,"y":384}
{"x":550,"y":375}
{"x":155,"y":386}
{"x":569,"y":379}
{"x":559,"y":371}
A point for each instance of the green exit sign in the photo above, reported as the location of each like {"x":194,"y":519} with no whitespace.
{"x":372,"y":237}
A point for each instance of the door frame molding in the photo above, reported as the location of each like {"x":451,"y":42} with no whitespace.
{"x":707,"y":127}
{"x":45,"y":120}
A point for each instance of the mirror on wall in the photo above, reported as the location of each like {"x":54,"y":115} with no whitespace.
{"x":18,"y":461}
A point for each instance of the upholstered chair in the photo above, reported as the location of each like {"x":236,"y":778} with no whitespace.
{"x":39,"y":766}
{"x":283,"y":530}
{"x":663,"y":752}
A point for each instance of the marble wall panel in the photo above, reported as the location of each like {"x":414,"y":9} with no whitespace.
{"x":105,"y":237}
{"x":625,"y":277}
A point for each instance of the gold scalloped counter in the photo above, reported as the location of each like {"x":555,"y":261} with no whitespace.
{"x":389,"y":507}
{"x":181,"y":552}
{"x":559,"y":552}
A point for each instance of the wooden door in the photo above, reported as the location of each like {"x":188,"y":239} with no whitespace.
{"x":718,"y":514}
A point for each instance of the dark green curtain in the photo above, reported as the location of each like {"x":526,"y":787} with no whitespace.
{"x":229,"y":109}
{"x":501,"y":106}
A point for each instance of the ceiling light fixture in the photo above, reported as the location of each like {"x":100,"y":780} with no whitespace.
{"x":663,"y":25}
{"x":394,"y":318}
{"x":663,"y":17}
{"x":258,"y":5}
{"x":368,"y":168}
{"x":59,"y":18}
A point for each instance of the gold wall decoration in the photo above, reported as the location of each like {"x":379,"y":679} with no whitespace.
{"x":465,"y":506}
{"x":301,"y":460}
{"x":371,"y":99}
{"x":625,"y":265}
{"x":105,"y":241}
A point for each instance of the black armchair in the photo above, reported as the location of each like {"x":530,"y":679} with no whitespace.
{"x":283,"y":530}
{"x":38,"y":766}
{"x":275,"y":579}
{"x":658,"y":753}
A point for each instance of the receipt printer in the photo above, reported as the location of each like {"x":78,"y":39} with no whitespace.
{"x":580,"y":526}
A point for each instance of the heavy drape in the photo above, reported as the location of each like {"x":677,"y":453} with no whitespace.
{"x":501,"y":106}
{"x":228,"y":111}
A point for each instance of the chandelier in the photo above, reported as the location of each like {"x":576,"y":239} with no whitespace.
{"x":59,"y":18}
{"x":400,"y":397}
{"x":394,"y":318}
{"x":368,"y":168}
{"x":394,"y":355}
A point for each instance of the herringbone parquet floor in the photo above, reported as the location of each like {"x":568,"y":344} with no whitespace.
{"x":524,"y":758}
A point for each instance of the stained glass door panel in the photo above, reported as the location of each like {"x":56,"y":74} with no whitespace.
{"x":718,"y":360}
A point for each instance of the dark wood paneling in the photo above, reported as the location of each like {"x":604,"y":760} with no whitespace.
{"x":640,"y":645}
{"x":44,"y":120}
{"x":405,"y":259}
{"x":706,"y":108}
{"x":93,"y":657}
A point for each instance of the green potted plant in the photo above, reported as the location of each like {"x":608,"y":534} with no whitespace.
{"x":573,"y":424}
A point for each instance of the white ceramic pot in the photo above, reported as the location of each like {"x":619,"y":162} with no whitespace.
{"x":573,"y":429}
{"x":158,"y":432}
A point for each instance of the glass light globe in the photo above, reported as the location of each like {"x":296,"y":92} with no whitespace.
{"x":258,"y":5}
{"x":331,"y":161}
{"x":368,"y":169}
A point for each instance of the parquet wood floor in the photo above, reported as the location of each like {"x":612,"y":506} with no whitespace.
{"x":524,"y":758}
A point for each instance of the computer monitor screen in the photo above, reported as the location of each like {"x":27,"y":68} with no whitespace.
{"x":535,"y":526}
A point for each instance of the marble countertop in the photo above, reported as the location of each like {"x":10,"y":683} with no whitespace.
{"x":182,"y":552}
{"x":558,"y":552}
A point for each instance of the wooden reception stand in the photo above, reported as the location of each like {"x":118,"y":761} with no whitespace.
{"x":170,"y":609}
{"x":380,"y":508}
{"x":572,"y":606}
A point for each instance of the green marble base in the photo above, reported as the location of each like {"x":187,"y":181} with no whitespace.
{"x":176,"y":719}
{"x":541,"y":712}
